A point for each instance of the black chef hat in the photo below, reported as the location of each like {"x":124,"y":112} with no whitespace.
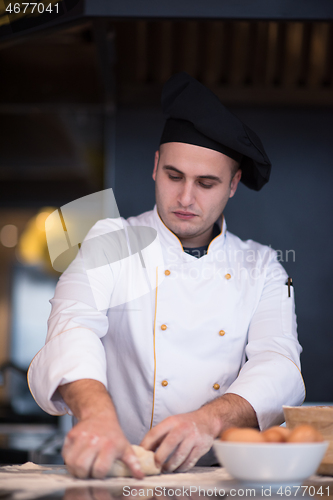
{"x":196,"y":116}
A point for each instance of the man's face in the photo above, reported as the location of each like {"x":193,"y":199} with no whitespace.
{"x":193,"y":185}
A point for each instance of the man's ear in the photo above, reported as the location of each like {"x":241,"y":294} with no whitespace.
{"x":157,"y":157}
{"x":234,"y":182}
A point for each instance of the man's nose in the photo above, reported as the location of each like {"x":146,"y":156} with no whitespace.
{"x":186,"y":194}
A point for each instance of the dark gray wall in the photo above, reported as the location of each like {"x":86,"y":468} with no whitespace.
{"x":293,"y":212}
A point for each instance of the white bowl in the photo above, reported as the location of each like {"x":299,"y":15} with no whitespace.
{"x":273,"y":463}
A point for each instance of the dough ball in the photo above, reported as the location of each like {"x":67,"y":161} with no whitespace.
{"x":147,"y":464}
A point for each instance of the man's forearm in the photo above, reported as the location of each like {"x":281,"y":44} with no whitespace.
{"x":86,"y":398}
{"x":97,"y":440}
{"x":229,"y":410}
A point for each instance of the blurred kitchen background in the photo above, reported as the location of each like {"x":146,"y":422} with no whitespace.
{"x":79,"y":112}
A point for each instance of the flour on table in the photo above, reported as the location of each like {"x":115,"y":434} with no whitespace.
{"x":25,"y":467}
{"x":146,"y":460}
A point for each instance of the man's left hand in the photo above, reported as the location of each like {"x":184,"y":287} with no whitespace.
{"x":181,"y":440}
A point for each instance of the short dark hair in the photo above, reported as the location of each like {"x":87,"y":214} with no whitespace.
{"x":235,"y":169}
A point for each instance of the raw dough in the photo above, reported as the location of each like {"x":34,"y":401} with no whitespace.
{"x":147,"y":464}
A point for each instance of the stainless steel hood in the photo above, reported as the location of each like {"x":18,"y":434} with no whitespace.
{"x":63,"y":75}
{"x":79,"y":10}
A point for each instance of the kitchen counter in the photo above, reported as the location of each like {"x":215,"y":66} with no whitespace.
{"x":51,"y":482}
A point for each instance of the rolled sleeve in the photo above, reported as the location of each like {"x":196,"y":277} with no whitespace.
{"x":267,"y":382}
{"x":72,"y":355}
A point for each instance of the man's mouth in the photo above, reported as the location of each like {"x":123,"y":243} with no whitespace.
{"x":184,"y":215}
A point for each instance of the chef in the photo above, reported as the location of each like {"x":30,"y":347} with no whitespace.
{"x":210,"y":342}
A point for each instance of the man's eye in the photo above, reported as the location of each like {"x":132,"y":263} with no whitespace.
{"x":206,"y":186}
{"x":174,"y":177}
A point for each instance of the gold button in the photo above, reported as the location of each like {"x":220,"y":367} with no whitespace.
{"x":221,"y":332}
{"x":227,"y":276}
{"x":167,"y":272}
{"x":163,"y":327}
{"x":215,"y":386}
{"x":165,"y":383}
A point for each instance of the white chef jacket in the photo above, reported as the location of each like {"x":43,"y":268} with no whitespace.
{"x":190,"y":331}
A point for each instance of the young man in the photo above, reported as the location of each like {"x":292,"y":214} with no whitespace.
{"x":212,"y":344}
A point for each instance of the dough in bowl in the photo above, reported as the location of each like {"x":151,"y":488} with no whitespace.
{"x":147,"y":464}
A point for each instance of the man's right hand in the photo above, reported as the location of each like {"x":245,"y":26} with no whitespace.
{"x":93,"y":444}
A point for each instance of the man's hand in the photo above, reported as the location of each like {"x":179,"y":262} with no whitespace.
{"x":185,"y":437}
{"x":91,"y":447}
{"x":93,"y":444}
{"x":182,"y":439}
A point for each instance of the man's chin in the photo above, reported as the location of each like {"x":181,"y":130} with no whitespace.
{"x":183,"y":232}
{"x":180,"y":227}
